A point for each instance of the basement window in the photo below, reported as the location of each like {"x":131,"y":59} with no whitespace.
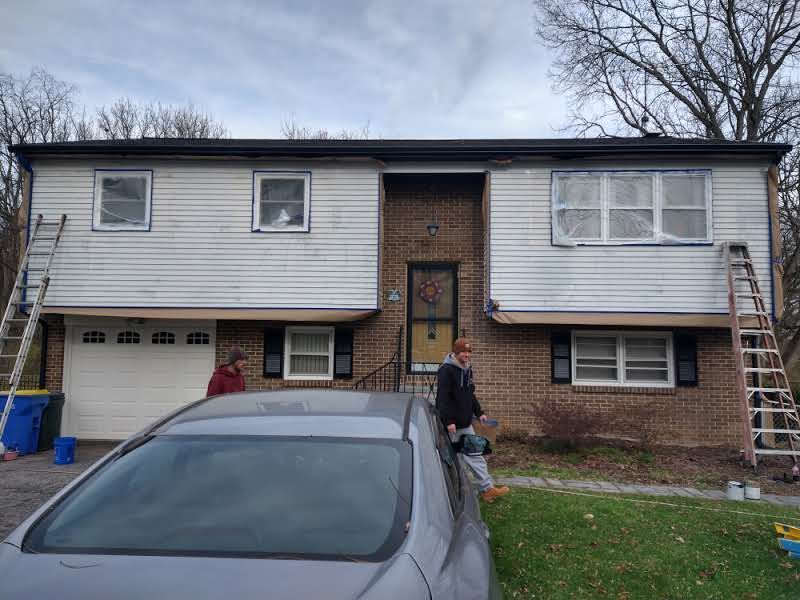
{"x":122,"y":200}
{"x":309,"y":353}
{"x":624,"y":359}
{"x":631,"y":207}
{"x":281,"y":201}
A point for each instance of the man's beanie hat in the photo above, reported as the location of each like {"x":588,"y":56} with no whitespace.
{"x":235,"y":354}
{"x":462,"y":345}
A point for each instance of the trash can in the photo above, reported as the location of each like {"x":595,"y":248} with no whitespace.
{"x":24,"y":420}
{"x":51,"y":421}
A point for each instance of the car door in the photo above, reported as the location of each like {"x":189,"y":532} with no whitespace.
{"x":469,"y":562}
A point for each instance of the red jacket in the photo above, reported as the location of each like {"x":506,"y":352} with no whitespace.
{"x":225,"y":382}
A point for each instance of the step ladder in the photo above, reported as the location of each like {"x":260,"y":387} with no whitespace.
{"x":770,"y":422}
{"x":22,"y":311}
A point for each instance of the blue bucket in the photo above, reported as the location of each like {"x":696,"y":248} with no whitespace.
{"x":65,"y":450}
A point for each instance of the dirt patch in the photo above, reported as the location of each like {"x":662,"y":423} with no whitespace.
{"x":709,"y":468}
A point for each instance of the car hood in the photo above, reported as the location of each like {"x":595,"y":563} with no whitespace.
{"x":77,"y":577}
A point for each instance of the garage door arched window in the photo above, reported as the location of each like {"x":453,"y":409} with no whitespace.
{"x":129,"y":337}
{"x":94,"y":337}
{"x":198,"y":338}
{"x":163,"y":337}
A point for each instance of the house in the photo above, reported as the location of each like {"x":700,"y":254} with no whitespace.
{"x":588,"y":272}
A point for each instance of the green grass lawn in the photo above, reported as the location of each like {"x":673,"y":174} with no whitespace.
{"x":545,"y":546}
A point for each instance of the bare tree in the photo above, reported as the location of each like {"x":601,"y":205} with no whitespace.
{"x":704,"y":68}
{"x":125,"y":119}
{"x":291,"y":130}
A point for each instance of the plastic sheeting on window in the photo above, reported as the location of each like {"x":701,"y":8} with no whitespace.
{"x":630,"y":207}
{"x":282,"y":202}
{"x":123,"y":200}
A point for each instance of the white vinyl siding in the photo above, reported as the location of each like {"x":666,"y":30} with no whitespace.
{"x":528,"y":272}
{"x":122,"y":200}
{"x":623,"y":207}
{"x":624,"y":359}
{"x":309,"y":353}
{"x":201,"y":251}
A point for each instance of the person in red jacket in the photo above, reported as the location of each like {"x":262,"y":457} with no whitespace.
{"x":229,"y":377}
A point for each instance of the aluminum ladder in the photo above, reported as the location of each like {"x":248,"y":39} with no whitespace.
{"x":41,"y":247}
{"x":770,"y":422}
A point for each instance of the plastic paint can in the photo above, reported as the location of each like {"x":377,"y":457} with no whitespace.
{"x":752,"y":491}
{"x":735,"y":490}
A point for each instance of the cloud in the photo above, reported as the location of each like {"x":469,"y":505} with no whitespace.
{"x":412,"y":69}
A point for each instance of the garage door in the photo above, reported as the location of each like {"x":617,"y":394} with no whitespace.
{"x":121,"y":376}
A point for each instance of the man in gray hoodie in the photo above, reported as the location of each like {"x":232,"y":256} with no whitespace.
{"x":457,"y":404}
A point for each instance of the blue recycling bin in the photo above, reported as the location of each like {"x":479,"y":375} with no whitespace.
{"x":24,"y":420}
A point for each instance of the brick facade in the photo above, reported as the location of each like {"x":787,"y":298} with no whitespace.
{"x":512,"y":363}
{"x":54,"y":367}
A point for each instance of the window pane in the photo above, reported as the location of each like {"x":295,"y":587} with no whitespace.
{"x":578,"y":191}
{"x":308,"y":365}
{"x":433,"y":291}
{"x":596,"y":373}
{"x":580,"y":224}
{"x":684,"y":224}
{"x":123,"y":200}
{"x":282,"y":191}
{"x":684,"y":190}
{"x":289,"y":214}
{"x":222,"y":495}
{"x":647,"y":375}
{"x":637,"y":348}
{"x":631,"y":191}
{"x":306,"y":342}
{"x":596,"y":347}
{"x":630,"y":224}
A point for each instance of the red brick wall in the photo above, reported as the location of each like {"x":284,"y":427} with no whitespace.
{"x":54,"y":369}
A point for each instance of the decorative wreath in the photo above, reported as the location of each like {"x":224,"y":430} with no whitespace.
{"x":431,"y":291}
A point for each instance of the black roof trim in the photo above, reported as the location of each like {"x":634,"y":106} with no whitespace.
{"x":404,"y":149}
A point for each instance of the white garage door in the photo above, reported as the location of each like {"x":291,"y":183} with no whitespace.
{"x":121,"y":376}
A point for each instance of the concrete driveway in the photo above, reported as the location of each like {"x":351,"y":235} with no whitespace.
{"x":25,"y":483}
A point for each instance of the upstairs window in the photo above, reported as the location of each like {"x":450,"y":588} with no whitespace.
{"x":642,"y":207}
{"x":281,"y":201}
{"x":122,"y":200}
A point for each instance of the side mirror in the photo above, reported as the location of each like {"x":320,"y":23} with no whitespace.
{"x":473,"y":445}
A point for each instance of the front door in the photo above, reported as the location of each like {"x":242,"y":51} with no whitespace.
{"x":432,"y":315}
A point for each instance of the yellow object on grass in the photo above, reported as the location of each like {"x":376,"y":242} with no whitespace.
{"x":787,"y":531}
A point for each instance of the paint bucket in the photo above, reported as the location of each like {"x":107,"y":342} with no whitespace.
{"x":65,"y":450}
{"x":735,"y":490}
{"x":752,"y":491}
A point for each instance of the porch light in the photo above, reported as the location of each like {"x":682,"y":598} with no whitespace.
{"x":433,"y":228}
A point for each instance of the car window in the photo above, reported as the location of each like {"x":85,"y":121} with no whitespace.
{"x":323,"y":498}
{"x":449,"y":462}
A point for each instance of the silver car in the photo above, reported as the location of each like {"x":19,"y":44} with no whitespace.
{"x":280,"y":495}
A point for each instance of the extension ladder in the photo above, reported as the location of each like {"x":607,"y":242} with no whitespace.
{"x":41,"y":247}
{"x":770,"y":422}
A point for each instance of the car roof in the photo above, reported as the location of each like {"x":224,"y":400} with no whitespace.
{"x":302,"y":412}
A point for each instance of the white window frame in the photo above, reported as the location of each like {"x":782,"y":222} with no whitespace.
{"x":659,"y":237}
{"x":287,"y":352}
{"x":258,"y":177}
{"x":620,"y":337}
{"x":99,"y":175}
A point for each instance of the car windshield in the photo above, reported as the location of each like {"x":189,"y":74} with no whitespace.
{"x":288,"y":497}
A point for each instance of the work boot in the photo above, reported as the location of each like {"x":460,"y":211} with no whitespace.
{"x":494,"y":492}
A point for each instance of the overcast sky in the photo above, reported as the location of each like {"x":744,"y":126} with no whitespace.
{"x":411,"y":68}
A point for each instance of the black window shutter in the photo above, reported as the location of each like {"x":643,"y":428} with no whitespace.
{"x":273,"y":352}
{"x":560,"y":349}
{"x":686,"y":359}
{"x":343,"y":354}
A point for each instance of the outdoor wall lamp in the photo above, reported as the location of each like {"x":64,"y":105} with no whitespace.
{"x":433,"y":228}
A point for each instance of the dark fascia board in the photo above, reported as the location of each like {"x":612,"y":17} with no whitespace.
{"x":405,"y":149}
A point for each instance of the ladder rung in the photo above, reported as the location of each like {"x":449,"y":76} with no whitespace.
{"x":11,"y":337}
{"x":755,"y":332}
{"x":38,"y":254}
{"x":18,"y":320}
{"x":768,"y":389}
{"x":763,"y":370}
{"x":779,"y":452}
{"x":774,"y":410}
{"x":741,"y":262}
{"x":790,"y":431}
{"x":25,"y":286}
{"x":744,"y":278}
{"x":760,"y":351}
{"x":8,"y":356}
